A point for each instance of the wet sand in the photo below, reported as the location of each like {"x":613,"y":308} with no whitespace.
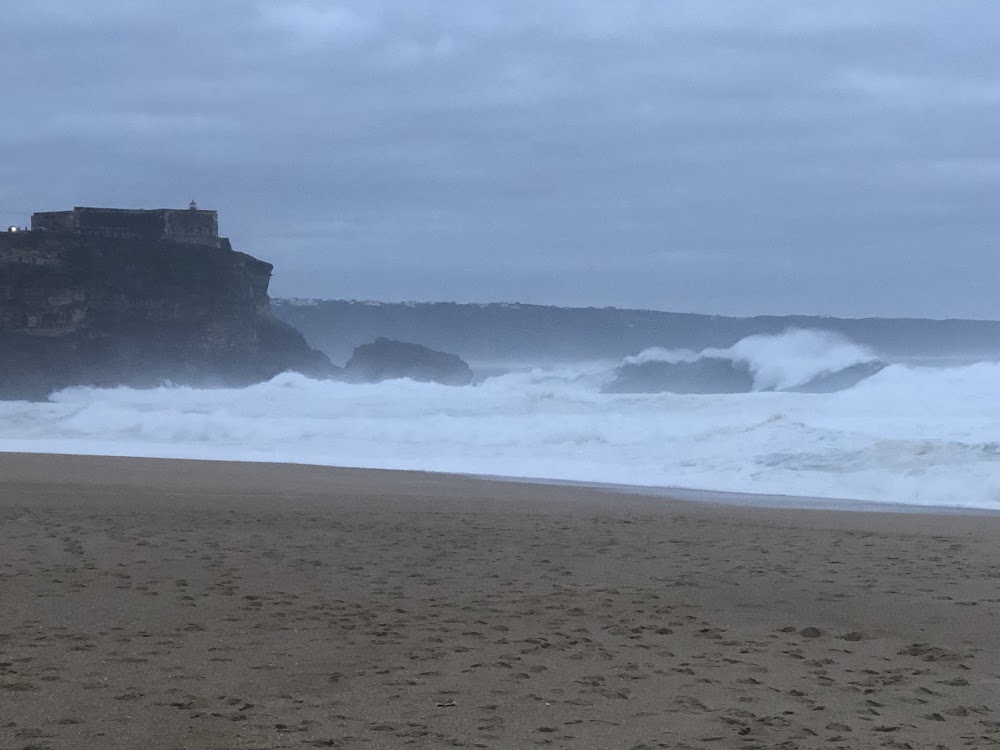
{"x":179,"y":604}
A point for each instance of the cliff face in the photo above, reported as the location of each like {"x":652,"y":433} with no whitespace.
{"x":102,"y":311}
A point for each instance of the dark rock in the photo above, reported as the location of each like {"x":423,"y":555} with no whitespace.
{"x":105,"y":311}
{"x":283,"y":347}
{"x":386,"y":359}
{"x":810,"y":632}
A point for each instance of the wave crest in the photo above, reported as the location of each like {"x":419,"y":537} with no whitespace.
{"x":796,"y":360}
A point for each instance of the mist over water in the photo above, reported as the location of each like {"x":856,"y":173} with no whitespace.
{"x":909,"y":434}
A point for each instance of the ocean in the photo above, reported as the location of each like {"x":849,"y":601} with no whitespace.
{"x":912,"y":434}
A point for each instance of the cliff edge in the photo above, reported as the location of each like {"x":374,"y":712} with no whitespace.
{"x":79,"y":308}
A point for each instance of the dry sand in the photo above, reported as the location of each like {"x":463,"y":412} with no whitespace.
{"x":175,"y":604}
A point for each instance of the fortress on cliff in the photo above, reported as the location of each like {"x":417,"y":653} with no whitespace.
{"x":110,"y":296}
{"x":191,"y":226}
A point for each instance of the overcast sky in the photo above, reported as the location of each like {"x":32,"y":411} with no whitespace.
{"x":718,"y":156}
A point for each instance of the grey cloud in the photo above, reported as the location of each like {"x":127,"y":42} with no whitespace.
{"x":711,"y":155}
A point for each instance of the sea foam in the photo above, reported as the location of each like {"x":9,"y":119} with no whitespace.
{"x":775,"y":362}
{"x":914,"y":435}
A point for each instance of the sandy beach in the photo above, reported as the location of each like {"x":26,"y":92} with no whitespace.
{"x":179,"y":604}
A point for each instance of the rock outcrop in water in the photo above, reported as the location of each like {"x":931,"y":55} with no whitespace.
{"x":120,"y":305}
{"x":386,"y":359}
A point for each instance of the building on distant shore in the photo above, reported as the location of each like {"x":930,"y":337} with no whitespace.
{"x":191,"y":225}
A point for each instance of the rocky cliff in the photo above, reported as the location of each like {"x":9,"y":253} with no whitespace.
{"x":78,"y":310}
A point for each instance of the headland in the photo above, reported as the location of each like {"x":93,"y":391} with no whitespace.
{"x":108,"y":297}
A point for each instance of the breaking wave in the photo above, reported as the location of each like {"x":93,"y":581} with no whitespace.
{"x":803,"y":360}
{"x":915,"y":435}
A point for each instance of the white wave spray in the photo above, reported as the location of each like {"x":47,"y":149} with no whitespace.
{"x":776,"y":362}
{"x":925,"y":436}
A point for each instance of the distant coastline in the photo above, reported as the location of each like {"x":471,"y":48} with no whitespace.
{"x":499,"y":331}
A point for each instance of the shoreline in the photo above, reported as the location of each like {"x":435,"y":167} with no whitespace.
{"x":666,"y":493}
{"x":756,"y":499}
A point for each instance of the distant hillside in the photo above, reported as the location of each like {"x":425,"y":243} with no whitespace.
{"x":514,"y":332}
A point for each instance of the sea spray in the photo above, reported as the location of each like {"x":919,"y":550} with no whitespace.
{"x":917,"y":435}
{"x":794,"y":359}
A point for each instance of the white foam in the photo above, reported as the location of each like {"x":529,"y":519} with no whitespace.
{"x":914,"y":435}
{"x":777,"y":362}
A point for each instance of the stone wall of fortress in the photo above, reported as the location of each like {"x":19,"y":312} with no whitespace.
{"x":190,"y":226}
